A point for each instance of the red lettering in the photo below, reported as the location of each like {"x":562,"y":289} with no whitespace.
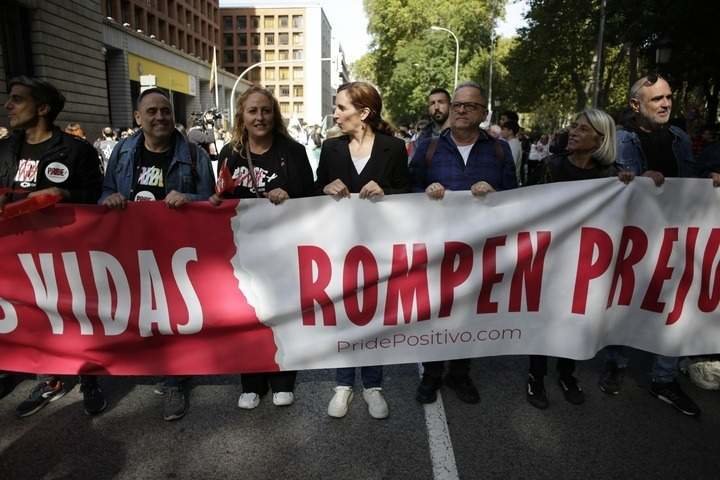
{"x":638,"y":242}
{"x":313,"y":290}
{"x":451,"y":277}
{"x":360,"y":256}
{"x":409,"y":284}
{"x":662,"y":273}
{"x":587,"y":270}
{"x":489,"y":276}
{"x":710,"y":297}
{"x":528,"y":271}
{"x":687,"y":276}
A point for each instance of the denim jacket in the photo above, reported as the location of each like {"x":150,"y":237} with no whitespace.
{"x":630,"y":155}
{"x":198,"y":184}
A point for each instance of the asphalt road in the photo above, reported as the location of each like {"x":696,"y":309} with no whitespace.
{"x":629,"y":436}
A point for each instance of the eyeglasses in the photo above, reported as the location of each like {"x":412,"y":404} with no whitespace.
{"x":467,"y":106}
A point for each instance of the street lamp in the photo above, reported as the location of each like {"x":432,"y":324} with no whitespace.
{"x":258,"y":64}
{"x":457,"y":50}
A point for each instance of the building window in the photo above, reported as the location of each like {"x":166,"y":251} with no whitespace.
{"x":298,"y":91}
{"x":283,"y":21}
{"x":269,"y":21}
{"x":297,"y":21}
{"x":297,"y":54}
{"x":227,"y":23}
{"x":255,"y":56}
{"x":241,"y":22}
{"x":255,"y":39}
{"x":284,"y":73}
{"x":298,"y":107}
{"x":228,"y":56}
{"x":284,"y":90}
{"x":271,"y":89}
{"x":285,"y":107}
{"x":269,"y":74}
{"x":283,"y":39}
{"x":255,"y":21}
{"x":298,"y":73}
{"x":269,"y":39}
{"x":283,"y":55}
{"x":228,"y":40}
{"x":242,"y":56}
{"x":254,"y":75}
{"x":242,"y":40}
{"x":270,"y":55}
{"x":297,"y":39}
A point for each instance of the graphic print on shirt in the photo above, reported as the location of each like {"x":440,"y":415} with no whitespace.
{"x":241,"y":178}
{"x":150,"y":180}
{"x":57,"y":172}
{"x":26,"y":176}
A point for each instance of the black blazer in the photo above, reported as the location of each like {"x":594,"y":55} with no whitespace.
{"x":387,"y":166}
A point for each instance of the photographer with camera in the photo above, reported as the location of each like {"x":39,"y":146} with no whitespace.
{"x":202,"y":132}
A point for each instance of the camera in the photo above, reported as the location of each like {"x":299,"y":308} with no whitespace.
{"x":208,"y":117}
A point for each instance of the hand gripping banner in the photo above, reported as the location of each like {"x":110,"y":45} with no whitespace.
{"x":561,"y":269}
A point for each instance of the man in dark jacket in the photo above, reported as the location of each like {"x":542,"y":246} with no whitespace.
{"x":39,"y":159}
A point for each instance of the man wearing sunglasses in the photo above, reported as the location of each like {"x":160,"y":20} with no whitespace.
{"x":648,"y":146}
{"x":463,"y":157}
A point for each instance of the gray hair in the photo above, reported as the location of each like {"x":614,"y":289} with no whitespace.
{"x":469,"y":84}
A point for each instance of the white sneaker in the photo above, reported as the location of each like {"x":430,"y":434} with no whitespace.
{"x":377,"y":406}
{"x":248,"y":401}
{"x":283,"y":399}
{"x":339,"y":403}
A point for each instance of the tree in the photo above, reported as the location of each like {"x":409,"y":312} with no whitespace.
{"x":407,"y":59}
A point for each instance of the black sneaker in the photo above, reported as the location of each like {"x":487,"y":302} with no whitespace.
{"x":611,"y":379}
{"x":176,"y":403}
{"x":93,"y":398}
{"x":571,"y":390}
{"x":427,"y":390}
{"x":536,"y":395}
{"x":671,"y":393}
{"x":464,"y":388}
{"x":41,"y":395}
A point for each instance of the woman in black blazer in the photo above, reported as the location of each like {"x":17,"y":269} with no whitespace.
{"x":369,"y":161}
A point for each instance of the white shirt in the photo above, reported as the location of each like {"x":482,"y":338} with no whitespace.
{"x":360,"y":163}
{"x":465,"y":151}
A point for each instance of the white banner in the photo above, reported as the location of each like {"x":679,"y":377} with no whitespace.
{"x":561,"y":269}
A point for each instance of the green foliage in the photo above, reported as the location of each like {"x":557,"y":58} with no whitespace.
{"x":408,"y":59}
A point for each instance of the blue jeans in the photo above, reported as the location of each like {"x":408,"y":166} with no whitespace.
{"x":371,"y":376}
{"x":664,"y":369}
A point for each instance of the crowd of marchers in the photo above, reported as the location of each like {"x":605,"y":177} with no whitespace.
{"x":362,"y":156}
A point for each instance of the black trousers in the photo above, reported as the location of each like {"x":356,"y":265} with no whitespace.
{"x":538,"y":366}
{"x":458,"y":368}
{"x":260,"y":382}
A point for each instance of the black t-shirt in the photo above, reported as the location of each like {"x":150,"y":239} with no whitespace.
{"x":27,"y":172}
{"x":657,"y":147}
{"x":559,"y":168}
{"x":150,"y":175}
{"x":270,"y":172}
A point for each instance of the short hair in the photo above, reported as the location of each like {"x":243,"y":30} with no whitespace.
{"x":470,"y":84}
{"x":511,"y":116}
{"x":440,"y":90}
{"x":150,"y":91}
{"x":603,"y":124}
{"x":43,"y":92}
{"x":646,"y":81}
{"x":108,"y":132}
{"x":74,"y":128}
{"x":511,"y":125}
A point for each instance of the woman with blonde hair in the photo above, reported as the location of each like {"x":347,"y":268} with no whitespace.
{"x":590,"y":154}
{"x":262,"y":161}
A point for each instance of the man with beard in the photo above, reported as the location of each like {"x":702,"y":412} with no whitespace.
{"x":439,"y":111}
{"x":647,"y":145}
